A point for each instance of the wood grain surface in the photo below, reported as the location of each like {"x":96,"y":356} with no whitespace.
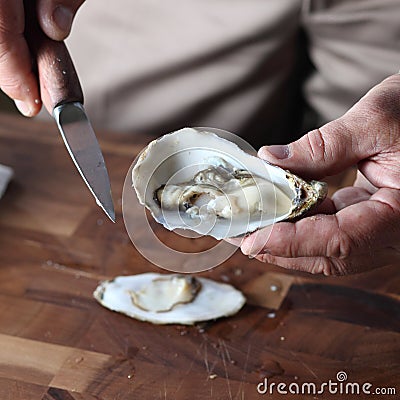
{"x":57,"y":342}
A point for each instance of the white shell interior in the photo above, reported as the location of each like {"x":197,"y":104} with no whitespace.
{"x":177,"y":157}
{"x":214,"y":300}
{"x":162,"y":295}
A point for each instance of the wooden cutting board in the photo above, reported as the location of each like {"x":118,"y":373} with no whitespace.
{"x":57,"y":342}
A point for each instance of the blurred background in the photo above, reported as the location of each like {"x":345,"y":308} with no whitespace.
{"x":268,"y":71}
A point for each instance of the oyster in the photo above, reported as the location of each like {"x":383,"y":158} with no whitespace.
{"x":194,"y":179}
{"x":169,"y":299}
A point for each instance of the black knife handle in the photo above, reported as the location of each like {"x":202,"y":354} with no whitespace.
{"x":55,"y":70}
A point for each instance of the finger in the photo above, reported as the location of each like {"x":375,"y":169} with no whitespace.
{"x":56,"y":16}
{"x":312,"y":265}
{"x":322,"y":152}
{"x":348,"y":196}
{"x":16,"y":77}
{"x":318,"y":235}
{"x":359,"y":228}
{"x":346,"y":141}
{"x":332,"y":266}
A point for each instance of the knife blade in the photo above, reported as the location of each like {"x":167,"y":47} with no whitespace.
{"x":81,"y":143}
{"x":62,"y":96}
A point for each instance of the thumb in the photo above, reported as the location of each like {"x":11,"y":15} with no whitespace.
{"x":365,"y":130}
{"x":56,"y":16}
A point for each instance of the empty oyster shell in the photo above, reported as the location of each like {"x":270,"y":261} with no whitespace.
{"x":155,"y":298}
{"x":194,"y":179}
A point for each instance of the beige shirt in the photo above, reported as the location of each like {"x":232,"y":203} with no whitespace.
{"x":264,"y":69}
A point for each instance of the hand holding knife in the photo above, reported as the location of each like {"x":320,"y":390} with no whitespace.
{"x":62,"y":95}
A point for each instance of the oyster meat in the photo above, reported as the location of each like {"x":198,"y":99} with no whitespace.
{"x":194,"y":179}
{"x":169,"y":299}
{"x":163,"y":294}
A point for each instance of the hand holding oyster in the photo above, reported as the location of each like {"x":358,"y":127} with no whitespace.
{"x":194,"y":179}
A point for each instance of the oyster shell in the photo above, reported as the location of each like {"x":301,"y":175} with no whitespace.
{"x":194,"y":179}
{"x":169,"y":299}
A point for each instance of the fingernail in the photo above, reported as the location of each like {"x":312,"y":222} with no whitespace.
{"x":279,"y":151}
{"x":23,"y":108}
{"x":62,"y":16}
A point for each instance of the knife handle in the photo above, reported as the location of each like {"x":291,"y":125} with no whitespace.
{"x":55,"y":70}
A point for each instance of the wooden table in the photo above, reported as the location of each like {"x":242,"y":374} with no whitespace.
{"x":57,"y":342}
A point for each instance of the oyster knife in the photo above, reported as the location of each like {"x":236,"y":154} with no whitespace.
{"x":62,"y":95}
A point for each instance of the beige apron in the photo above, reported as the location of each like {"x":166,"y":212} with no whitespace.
{"x":264,"y":69}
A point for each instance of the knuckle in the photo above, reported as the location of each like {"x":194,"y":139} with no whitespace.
{"x":384,"y":101}
{"x":326,"y":266}
{"x":320,"y":266}
{"x":380,"y":111}
{"x":335,"y":267}
{"x":293,"y":248}
{"x":315,"y":144}
{"x":340,"y":245}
